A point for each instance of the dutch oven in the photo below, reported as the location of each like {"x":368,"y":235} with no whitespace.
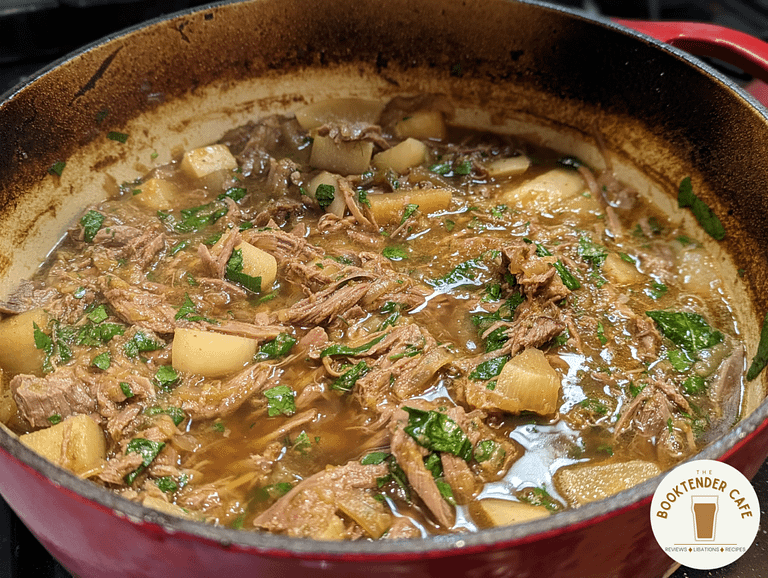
{"x":182,"y":81}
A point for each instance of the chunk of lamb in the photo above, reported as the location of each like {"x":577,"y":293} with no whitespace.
{"x":43,"y":400}
{"x":311,"y":508}
{"x":410,"y":458}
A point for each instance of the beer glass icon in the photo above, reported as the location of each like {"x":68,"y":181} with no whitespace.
{"x":704,"y":510}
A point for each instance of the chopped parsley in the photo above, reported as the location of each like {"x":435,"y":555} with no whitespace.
{"x":175,"y":413}
{"x":196,"y":218}
{"x":166,"y":377}
{"x":281,"y":400}
{"x":540,"y":497}
{"x":325,"y":194}
{"x":140,"y":343}
{"x":120,"y":137}
{"x":57,"y":168}
{"x":91,"y":223}
{"x":187,"y":311}
{"x":102,"y":360}
{"x":395,"y":253}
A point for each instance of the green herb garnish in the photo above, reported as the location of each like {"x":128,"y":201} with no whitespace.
{"x":102,"y":360}
{"x":346,"y":381}
{"x":489,"y":369}
{"x":91,"y":223}
{"x":166,"y":376}
{"x":437,"y":432}
{"x":234,"y":272}
{"x":704,"y":215}
{"x":278,"y":347}
{"x":281,"y":400}
{"x":395,"y":253}
{"x":339,"y":349}
{"x":147,"y":449}
{"x":760,"y":360}
{"x":325,"y":194}
{"x":688,"y":331}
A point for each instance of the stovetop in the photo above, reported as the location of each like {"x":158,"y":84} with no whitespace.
{"x":34,"y":33}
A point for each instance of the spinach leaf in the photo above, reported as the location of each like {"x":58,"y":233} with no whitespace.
{"x":689,"y":331}
{"x":281,"y":400}
{"x":346,"y":381}
{"x":339,"y":349}
{"x":704,"y":215}
{"x":147,"y":449}
{"x":140,"y":343}
{"x":234,"y":193}
{"x":165,"y":377}
{"x":234,"y":272}
{"x":489,"y":369}
{"x":437,"y":432}
{"x":102,"y":360}
{"x":760,"y":360}
{"x":195,"y":218}
{"x":175,"y":413}
{"x":540,"y":497}
{"x":395,"y":253}
{"x":278,"y":347}
{"x":592,"y":252}
{"x":187,"y":311}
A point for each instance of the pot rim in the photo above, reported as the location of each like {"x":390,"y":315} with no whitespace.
{"x":264,"y":543}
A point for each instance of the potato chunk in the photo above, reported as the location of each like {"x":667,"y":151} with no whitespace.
{"x":557,"y":190}
{"x":258,"y":263}
{"x":18,"y":353}
{"x":344,"y":158}
{"x":527,"y":383}
{"x":337,"y":206}
{"x":77,"y":443}
{"x":492,"y":512}
{"x":388,"y":207}
{"x":200,"y":162}
{"x":339,"y":110}
{"x":157,"y":194}
{"x":210,"y":354}
{"x":403,"y":156}
{"x":422,"y":124}
{"x":508,"y":167}
{"x":621,"y":272}
{"x":581,"y":484}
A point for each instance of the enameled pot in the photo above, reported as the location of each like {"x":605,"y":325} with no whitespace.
{"x":528,"y":67}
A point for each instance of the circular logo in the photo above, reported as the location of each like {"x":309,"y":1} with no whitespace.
{"x":705,"y":514}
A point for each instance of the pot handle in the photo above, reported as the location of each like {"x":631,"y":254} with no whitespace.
{"x":746,"y":52}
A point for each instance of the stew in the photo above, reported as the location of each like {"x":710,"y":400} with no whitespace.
{"x":360,"y":322}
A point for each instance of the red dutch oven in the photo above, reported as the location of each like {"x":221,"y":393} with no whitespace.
{"x":182,"y":81}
